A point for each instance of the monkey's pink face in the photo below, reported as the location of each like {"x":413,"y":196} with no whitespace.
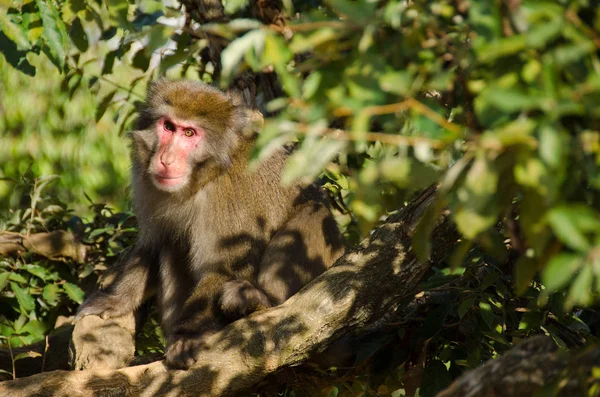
{"x":177,"y":141}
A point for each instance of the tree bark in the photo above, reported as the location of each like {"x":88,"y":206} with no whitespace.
{"x":526,"y":369}
{"x":102,"y":344}
{"x":57,"y":244}
{"x":362,"y":288}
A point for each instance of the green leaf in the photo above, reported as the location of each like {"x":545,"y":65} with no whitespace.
{"x":26,"y":301}
{"x":421,"y":241}
{"x":525,"y":271}
{"x":553,"y":146}
{"x":35,"y":328}
{"x":50,"y":294}
{"x":360,"y":11}
{"x":55,"y":32}
{"x":397,"y":170}
{"x":74,"y":292}
{"x":485,"y":310}
{"x":560,"y":269}
{"x":17,"y":277}
{"x":397,"y":82}
{"x":531,"y":320}
{"x":15,"y":32}
{"x":37,"y":270}
{"x":276,"y":52}
{"x":118,"y":10}
{"x":571,"y":223}
{"x":501,"y":48}
{"x":233,"y":6}
{"x":28,"y":354}
{"x":580,"y":292}
{"x":309,"y":160}
{"x":567,"y":54}
{"x":470,"y":223}
{"x":104,"y":230}
{"x":4,"y":280}
{"x":465,"y":306}
{"x":541,"y":33}
{"x":237,"y":49}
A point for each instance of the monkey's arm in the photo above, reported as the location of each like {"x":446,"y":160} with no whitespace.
{"x":128,"y":284}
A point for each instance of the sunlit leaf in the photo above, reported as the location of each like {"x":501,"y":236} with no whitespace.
{"x":26,"y":301}
{"x":4,"y":280}
{"x":51,"y":294}
{"x":485,"y":310}
{"x":233,"y":54}
{"x":571,"y":223}
{"x":14,"y":32}
{"x":74,"y":292}
{"x":55,"y":32}
{"x":580,"y":292}
{"x":559,"y":270}
{"x":37,"y":270}
{"x":28,"y":354}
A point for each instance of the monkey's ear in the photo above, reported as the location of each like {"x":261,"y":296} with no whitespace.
{"x":256,"y":121}
{"x":236,"y":98}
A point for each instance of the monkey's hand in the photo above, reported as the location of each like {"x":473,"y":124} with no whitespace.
{"x":183,"y":351}
{"x":103,"y":305}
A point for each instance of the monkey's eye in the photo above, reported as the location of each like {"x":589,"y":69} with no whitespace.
{"x":169,"y":126}
{"x":189,"y":132}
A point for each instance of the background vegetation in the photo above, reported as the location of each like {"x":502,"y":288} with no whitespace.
{"x":497,"y":102}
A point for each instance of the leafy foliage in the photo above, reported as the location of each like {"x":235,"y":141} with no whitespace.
{"x":494,"y":101}
{"x":36,"y":291}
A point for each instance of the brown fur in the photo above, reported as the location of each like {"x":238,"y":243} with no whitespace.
{"x":232,"y":241}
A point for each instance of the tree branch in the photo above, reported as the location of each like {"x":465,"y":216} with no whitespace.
{"x":526,"y":369}
{"x":57,"y":244}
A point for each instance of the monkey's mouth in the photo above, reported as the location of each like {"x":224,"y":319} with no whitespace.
{"x":169,"y":181}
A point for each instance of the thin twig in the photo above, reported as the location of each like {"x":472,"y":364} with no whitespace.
{"x":46,"y":346}
{"x":374,"y":137}
{"x":409,"y":103}
{"x":301,"y":27}
{"x":12,"y":360}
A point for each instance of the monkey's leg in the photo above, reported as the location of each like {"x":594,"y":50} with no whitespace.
{"x":240,"y":298}
{"x":304,"y":247}
{"x":128,"y":283}
{"x":200,"y":317}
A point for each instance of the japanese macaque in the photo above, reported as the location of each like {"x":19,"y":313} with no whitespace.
{"x":217,"y":240}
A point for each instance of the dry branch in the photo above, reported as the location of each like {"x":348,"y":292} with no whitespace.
{"x":361,"y":289}
{"x":57,"y":244}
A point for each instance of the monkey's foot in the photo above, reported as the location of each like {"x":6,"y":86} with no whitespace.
{"x":182,"y":352}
